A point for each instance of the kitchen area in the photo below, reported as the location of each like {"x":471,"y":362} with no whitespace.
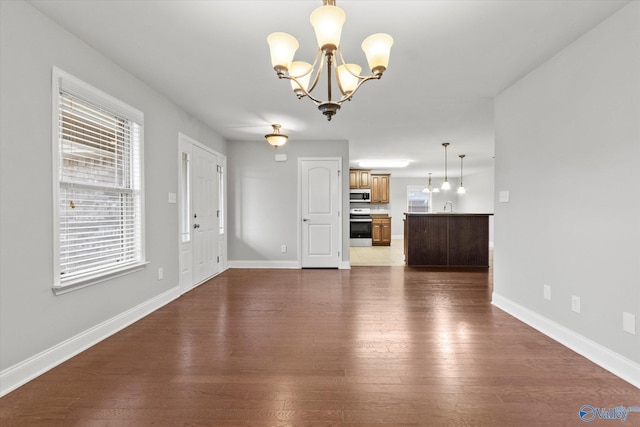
{"x":390,"y":218}
{"x":370,"y":221}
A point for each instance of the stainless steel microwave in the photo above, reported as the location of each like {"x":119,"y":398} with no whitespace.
{"x":360,"y":196}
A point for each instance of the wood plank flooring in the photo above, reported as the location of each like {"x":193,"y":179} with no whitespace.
{"x":369,"y":346}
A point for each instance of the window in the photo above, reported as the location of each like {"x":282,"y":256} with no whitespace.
{"x":185,"y":194}
{"x":221,"y":218}
{"x":417,"y":200}
{"x":99,"y":231}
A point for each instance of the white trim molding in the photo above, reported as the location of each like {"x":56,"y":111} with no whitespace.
{"x":263,"y":264}
{"x":23,"y":372}
{"x":613,"y":362}
{"x":344,"y":265}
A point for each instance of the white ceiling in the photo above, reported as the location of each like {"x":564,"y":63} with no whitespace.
{"x":450,"y":58}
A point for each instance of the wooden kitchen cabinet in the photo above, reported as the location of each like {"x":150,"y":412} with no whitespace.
{"x":380,"y":188}
{"x":380,"y":230}
{"x":359,"y":178}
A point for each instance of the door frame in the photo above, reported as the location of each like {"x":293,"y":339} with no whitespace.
{"x":341,"y":209}
{"x":185,"y":144}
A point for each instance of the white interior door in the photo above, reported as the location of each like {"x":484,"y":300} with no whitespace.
{"x":205,"y":214}
{"x":321,"y":203}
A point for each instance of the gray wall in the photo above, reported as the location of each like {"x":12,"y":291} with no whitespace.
{"x":263,"y":199}
{"x":480,"y":192}
{"x":567,"y":150}
{"x":479,"y":197}
{"x":32,"y":319}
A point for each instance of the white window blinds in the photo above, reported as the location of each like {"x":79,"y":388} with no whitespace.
{"x":100,"y":185}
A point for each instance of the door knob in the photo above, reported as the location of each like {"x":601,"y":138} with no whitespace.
{"x":196,"y":225}
{"x":305,"y":219}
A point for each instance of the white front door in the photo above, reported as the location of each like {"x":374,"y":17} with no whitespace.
{"x":202,"y":201}
{"x":321,"y":204}
{"x":205,"y":214}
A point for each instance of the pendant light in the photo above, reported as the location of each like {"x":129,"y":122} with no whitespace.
{"x":445,"y":184}
{"x":461,"y":189}
{"x":429,"y":188}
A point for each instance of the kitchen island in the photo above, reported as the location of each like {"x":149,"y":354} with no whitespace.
{"x":446,"y":239}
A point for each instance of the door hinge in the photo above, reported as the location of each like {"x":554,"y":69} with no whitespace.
{"x":338,"y":172}
{"x":218,"y":214}
{"x":218,"y":259}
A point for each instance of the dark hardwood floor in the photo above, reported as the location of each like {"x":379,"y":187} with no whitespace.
{"x":368,"y":346}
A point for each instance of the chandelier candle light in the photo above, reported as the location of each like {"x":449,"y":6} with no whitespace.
{"x":327,"y":21}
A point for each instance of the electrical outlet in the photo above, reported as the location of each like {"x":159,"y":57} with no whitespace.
{"x":629,"y":323}
{"x":283,"y":248}
{"x":160,"y":273}
{"x":575,"y":304}
{"x":547,"y":292}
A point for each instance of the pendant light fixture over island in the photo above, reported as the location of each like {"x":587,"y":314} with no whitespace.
{"x":429,"y":188}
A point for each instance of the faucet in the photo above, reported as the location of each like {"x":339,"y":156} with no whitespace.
{"x":445,"y":206}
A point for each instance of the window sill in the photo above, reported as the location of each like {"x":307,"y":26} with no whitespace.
{"x":98,"y":278}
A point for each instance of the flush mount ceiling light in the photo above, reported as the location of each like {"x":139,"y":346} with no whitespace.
{"x":445,"y":184}
{"x":383,"y":163}
{"x":276,"y":138}
{"x":461,"y":189}
{"x":327,"y":21}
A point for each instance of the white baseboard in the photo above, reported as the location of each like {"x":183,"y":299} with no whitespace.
{"x":618,"y":365}
{"x":23,"y":372}
{"x":344,"y":265}
{"x":264,"y":264}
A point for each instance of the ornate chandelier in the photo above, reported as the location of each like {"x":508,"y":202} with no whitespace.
{"x":327,"y":21}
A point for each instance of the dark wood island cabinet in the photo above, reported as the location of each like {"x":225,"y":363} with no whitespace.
{"x":446,"y":239}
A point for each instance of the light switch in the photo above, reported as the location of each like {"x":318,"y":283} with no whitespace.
{"x":503,"y":197}
{"x":172,"y":198}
